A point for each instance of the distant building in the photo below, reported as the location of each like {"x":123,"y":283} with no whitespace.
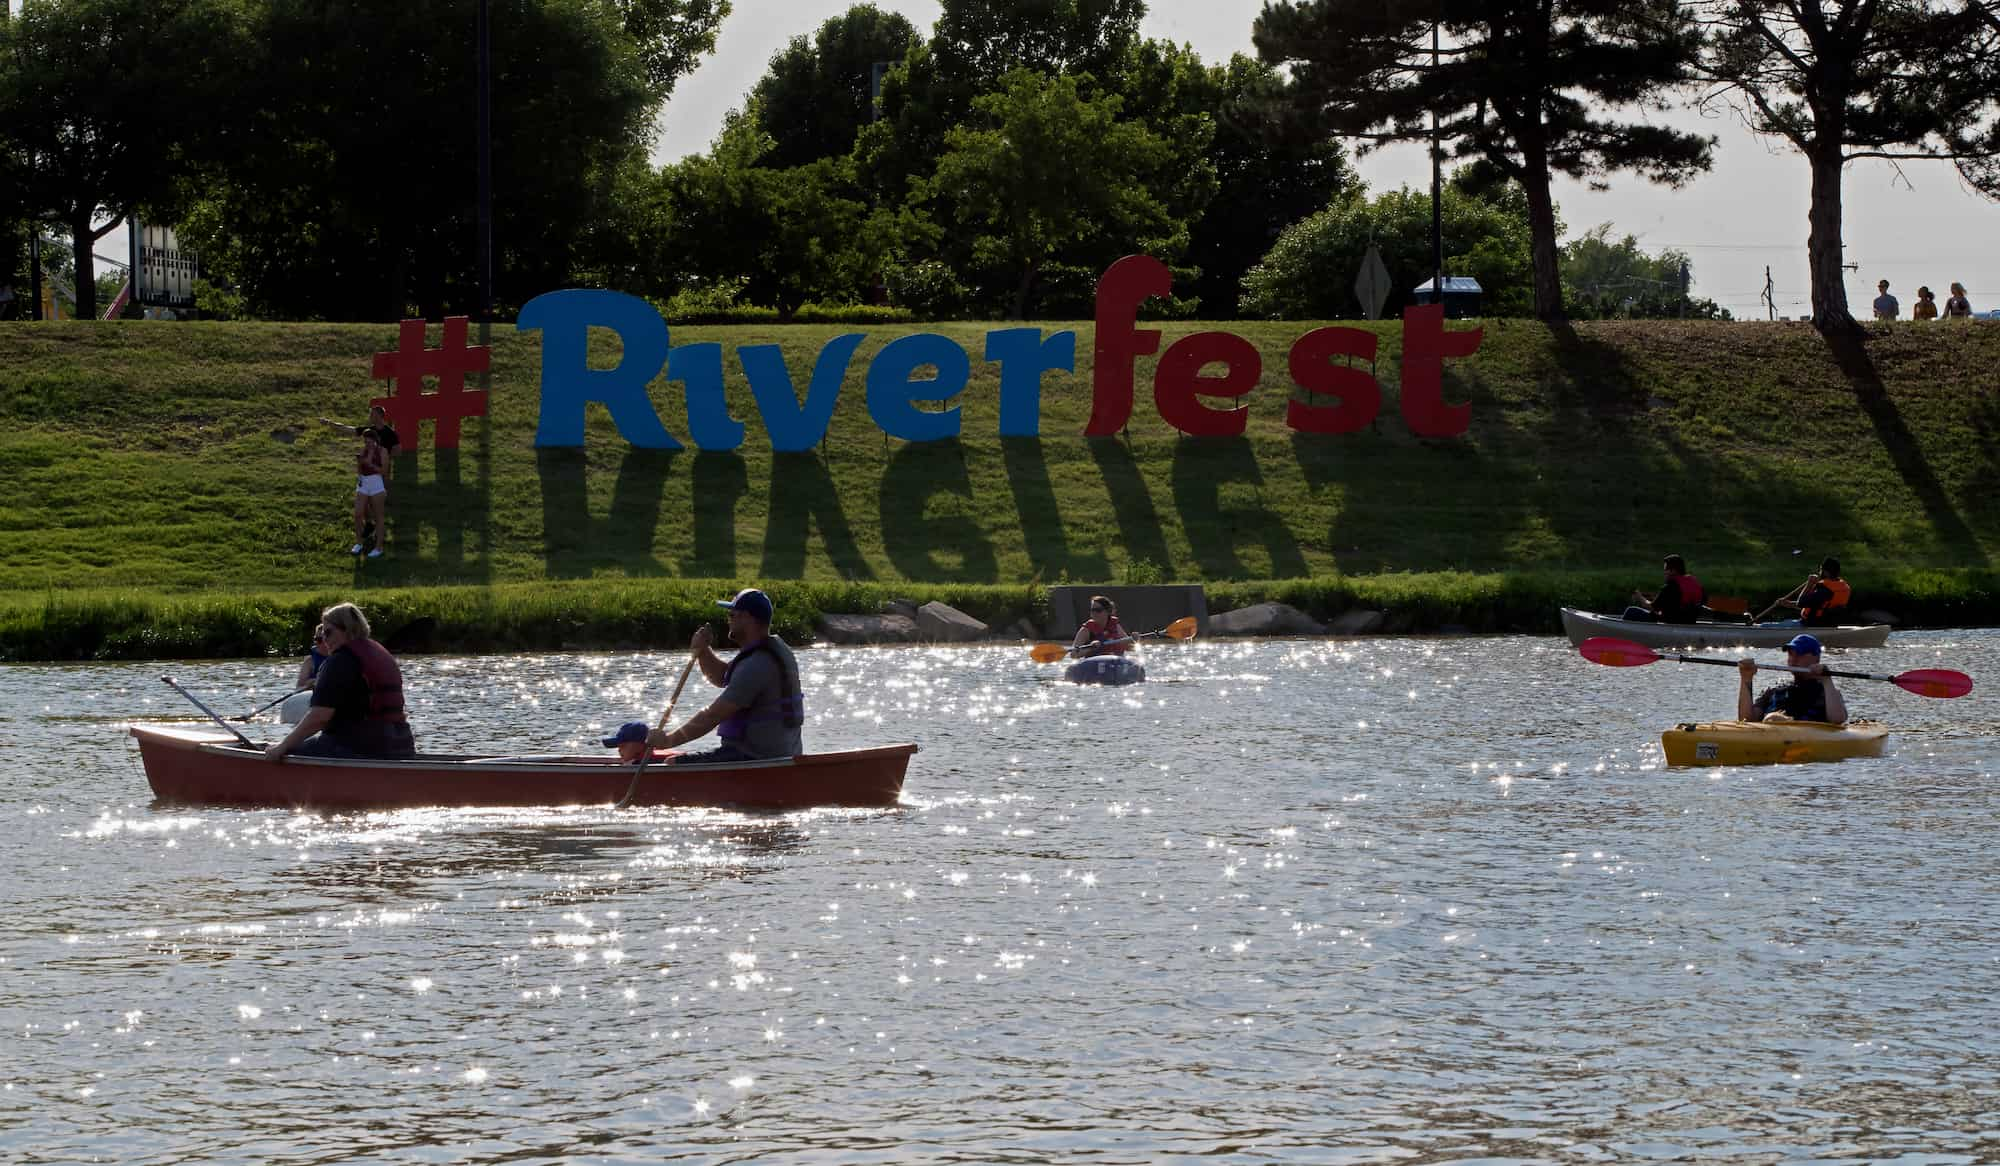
{"x":1461,"y":296}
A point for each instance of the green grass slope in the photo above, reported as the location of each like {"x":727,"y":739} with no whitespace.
{"x":179,"y":459}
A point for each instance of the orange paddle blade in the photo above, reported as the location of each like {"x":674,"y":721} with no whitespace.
{"x":1047,"y":653}
{"x":1937,"y":682}
{"x":1616,"y":652}
{"x":1182,"y":628}
{"x":1729,"y":604}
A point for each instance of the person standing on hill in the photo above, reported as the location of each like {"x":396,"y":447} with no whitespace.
{"x":1808,"y":697}
{"x":385,"y":435}
{"x":1957,"y":307}
{"x":762,"y":709}
{"x":357,"y":702}
{"x":1886,"y":307}
{"x":1102,"y":634}
{"x":1680,"y":598}
{"x":371,"y":494}
{"x":1926,"y":306}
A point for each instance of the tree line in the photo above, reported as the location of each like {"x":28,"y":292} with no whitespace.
{"x":321,"y":155}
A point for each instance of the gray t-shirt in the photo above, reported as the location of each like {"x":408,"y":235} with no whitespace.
{"x":758,"y":686}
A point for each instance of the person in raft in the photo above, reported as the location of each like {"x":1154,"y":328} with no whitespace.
{"x":1822,"y":601}
{"x":1101,"y":633}
{"x":1680,"y":599}
{"x":761,"y":710}
{"x":357,"y":702}
{"x":1804,"y":698}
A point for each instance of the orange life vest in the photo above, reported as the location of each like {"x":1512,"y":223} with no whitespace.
{"x":1835,"y":601}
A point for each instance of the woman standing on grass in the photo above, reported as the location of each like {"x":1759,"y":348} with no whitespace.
{"x":371,"y":493}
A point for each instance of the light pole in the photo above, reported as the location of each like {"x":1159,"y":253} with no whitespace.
{"x":1437,"y":184}
{"x":485,"y":119}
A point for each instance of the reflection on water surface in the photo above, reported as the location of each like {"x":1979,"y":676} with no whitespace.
{"x":1312,"y":901}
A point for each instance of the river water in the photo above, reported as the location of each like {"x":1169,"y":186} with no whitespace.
{"x":1394,"y":900}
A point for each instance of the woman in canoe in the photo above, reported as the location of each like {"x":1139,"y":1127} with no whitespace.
{"x":357,"y":702}
{"x":1811,"y":697}
{"x":1101,"y":633}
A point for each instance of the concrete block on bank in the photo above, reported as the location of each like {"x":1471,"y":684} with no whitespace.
{"x":1359,"y":622}
{"x":1140,"y":609}
{"x":867,"y":629}
{"x":1265,"y":619}
{"x":941,"y":623}
{"x":907,"y":608}
{"x":1022,"y":629}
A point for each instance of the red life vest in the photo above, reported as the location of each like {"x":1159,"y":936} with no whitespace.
{"x":1691,"y":591}
{"x":1111,"y":629}
{"x":1837,"y":598}
{"x":383,"y":678}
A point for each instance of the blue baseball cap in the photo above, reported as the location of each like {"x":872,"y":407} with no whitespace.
{"x":1803,"y":644}
{"x":627,"y":732}
{"x":750,"y":600}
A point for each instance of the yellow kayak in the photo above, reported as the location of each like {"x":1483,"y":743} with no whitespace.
{"x":1771,"y":742}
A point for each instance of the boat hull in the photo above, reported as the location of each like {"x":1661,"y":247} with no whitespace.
{"x":1771,"y":742}
{"x":1581,"y":625}
{"x":1105,"y":670}
{"x":205,"y":768}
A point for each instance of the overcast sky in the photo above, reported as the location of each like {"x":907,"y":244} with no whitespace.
{"x":1920,"y":228}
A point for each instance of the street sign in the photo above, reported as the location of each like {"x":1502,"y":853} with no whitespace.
{"x":1371,"y":284}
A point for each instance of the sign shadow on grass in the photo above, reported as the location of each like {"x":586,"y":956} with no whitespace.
{"x":575,"y":542}
{"x":1203,"y":468}
{"x":1042,"y":530}
{"x":947,"y":546}
{"x":803,"y":496}
{"x":1131,"y":503}
{"x":721,"y":480}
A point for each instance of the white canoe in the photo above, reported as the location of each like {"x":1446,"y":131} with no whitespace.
{"x":1581,"y":625}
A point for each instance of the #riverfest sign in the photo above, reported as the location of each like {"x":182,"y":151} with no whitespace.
{"x":1181,"y":377}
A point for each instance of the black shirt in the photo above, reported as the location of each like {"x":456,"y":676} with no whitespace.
{"x":384,"y":436}
{"x":341,"y":688}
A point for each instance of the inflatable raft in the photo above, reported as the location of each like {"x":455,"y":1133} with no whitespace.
{"x":1105,"y":670}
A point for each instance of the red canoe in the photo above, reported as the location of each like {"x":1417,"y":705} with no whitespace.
{"x":206,"y":768}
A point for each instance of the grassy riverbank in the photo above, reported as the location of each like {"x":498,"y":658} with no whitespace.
{"x":172,"y":494}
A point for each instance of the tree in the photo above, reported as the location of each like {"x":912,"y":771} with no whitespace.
{"x":1270,"y":169}
{"x":353,"y":193}
{"x":1309,"y":273}
{"x":104,"y":98}
{"x":818,"y":94}
{"x":1842,"y":80}
{"x":1525,"y":85}
{"x":1603,"y":278}
{"x":1052,"y":175}
{"x":790,"y":236}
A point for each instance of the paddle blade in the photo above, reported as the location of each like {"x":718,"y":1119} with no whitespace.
{"x":1182,"y":628}
{"x":1937,"y":682}
{"x":1616,"y":652}
{"x":1047,"y":653}
{"x":1729,"y":604}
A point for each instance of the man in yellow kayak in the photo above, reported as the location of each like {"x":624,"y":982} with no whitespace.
{"x":1806,"y":697}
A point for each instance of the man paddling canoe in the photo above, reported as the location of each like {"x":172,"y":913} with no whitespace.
{"x":761,"y":709}
{"x":1680,"y":599}
{"x":357,"y":702}
{"x":1811,"y":697}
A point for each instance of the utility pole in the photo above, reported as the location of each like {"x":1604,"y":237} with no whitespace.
{"x":1437,"y":185}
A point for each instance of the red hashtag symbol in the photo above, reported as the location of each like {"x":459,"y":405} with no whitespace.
{"x":405,"y":369}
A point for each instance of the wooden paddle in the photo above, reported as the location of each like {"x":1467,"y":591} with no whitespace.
{"x":1781,"y":601}
{"x":1938,"y":682}
{"x":647,"y":755}
{"x":211,"y":713}
{"x":1181,"y":629}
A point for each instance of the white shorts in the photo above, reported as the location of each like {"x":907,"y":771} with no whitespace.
{"x":370,"y":485}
